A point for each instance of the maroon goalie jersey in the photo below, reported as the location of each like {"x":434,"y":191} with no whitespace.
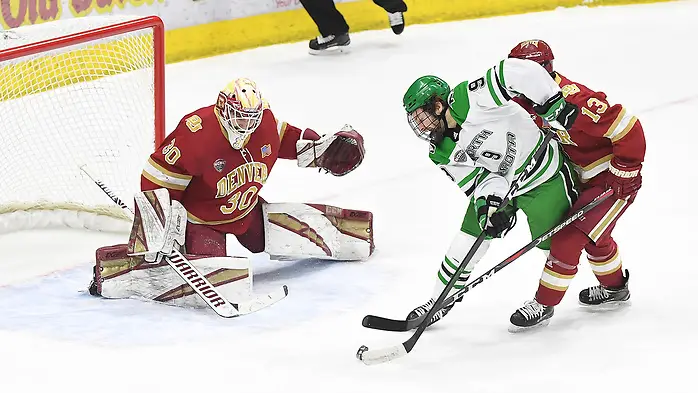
{"x":218,"y":185}
{"x":600,"y":132}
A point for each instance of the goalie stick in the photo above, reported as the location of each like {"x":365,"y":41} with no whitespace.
{"x":197,"y":281}
{"x":200,"y":284}
{"x":382,"y":355}
{"x":402,"y":325}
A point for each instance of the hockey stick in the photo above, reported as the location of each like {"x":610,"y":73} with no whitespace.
{"x":371,"y":357}
{"x":402,"y":325}
{"x":200,"y":284}
{"x":107,"y":191}
{"x":197,"y":281}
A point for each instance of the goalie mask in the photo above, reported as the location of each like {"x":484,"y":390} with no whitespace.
{"x":420,"y":104}
{"x":240,"y":108}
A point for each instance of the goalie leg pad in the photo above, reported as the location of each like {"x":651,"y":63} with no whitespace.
{"x":117,"y":275}
{"x":134,"y":270}
{"x":296,"y":231}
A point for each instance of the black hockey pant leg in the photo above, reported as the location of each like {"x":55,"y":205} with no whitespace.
{"x":326,"y":16}
{"x":392,"y":5}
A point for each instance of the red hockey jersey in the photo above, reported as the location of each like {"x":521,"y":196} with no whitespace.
{"x":600,"y":132}
{"x":218,"y":185}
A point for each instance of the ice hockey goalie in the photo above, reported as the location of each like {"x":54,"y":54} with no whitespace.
{"x":203,"y":183}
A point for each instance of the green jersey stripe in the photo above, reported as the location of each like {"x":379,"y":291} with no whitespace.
{"x":468,"y":178}
{"x":441,"y":277}
{"x":461,"y":280}
{"x":451,"y":264}
{"x":490,"y":86}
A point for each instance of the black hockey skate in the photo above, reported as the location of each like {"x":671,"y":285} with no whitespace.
{"x":606,"y":297}
{"x":330,"y":44}
{"x":397,"y":22}
{"x":531,"y":314}
{"x":421,"y":311}
{"x":92,"y":288}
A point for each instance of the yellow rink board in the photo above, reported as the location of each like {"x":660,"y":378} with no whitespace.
{"x":295,"y":25}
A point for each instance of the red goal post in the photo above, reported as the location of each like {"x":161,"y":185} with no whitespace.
{"x":84,"y":91}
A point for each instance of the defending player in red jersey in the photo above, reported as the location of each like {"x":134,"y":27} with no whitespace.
{"x":214,"y":164}
{"x":606,"y":144}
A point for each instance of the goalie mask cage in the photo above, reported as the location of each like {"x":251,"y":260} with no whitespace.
{"x":85,"y":91}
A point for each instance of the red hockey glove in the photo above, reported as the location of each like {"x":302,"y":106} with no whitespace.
{"x":624,"y":178}
{"x":339,"y":154}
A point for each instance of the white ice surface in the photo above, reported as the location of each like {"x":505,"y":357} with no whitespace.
{"x":54,"y":337}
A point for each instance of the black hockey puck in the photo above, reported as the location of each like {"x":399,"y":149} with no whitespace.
{"x":360,"y":352}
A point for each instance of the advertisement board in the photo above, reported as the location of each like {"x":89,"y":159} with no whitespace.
{"x":175,"y":13}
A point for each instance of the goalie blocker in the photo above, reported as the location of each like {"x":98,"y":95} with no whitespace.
{"x":291,"y":231}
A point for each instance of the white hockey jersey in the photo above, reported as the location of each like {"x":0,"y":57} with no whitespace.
{"x":497,"y":137}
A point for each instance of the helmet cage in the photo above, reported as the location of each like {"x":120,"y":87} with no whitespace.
{"x":238,"y":121}
{"x":424,"y":121}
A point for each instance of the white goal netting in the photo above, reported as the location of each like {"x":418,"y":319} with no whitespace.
{"x":89,"y":103}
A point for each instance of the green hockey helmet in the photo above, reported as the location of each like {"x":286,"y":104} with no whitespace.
{"x":422,"y":91}
{"x":420,"y":104}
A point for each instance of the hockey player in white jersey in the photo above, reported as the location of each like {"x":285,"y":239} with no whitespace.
{"x":483,"y":141}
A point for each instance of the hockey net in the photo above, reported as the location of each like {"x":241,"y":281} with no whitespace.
{"x":84,"y":91}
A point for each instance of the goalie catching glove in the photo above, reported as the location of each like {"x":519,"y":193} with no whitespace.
{"x":338,"y":154}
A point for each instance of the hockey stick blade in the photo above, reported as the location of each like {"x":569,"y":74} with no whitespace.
{"x":259,"y":302}
{"x":379,"y":356}
{"x":396,"y":325}
{"x":390,"y":325}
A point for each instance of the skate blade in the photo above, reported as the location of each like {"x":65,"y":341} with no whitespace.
{"x":521,"y":329}
{"x":335,"y":50}
{"x":610,"y":306}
